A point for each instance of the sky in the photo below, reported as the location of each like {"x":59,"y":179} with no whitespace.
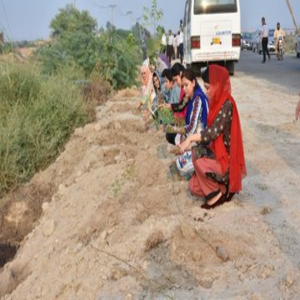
{"x":30,"y":19}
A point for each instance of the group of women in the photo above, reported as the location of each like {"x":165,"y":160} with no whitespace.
{"x":210,"y":142}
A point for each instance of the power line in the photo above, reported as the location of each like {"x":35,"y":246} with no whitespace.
{"x":112,"y":6}
{"x":129,"y":13}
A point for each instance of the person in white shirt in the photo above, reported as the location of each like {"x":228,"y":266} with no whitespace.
{"x":265,"y":39}
{"x":181,"y":46}
{"x":177,"y":43}
{"x":174,"y":46}
{"x":170,"y":48}
{"x":163,"y":43}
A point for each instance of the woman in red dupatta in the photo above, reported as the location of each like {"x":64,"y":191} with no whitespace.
{"x":219,"y":156}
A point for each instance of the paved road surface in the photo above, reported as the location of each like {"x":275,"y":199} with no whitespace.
{"x":285,"y":72}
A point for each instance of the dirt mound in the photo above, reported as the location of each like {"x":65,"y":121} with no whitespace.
{"x":107,"y":220}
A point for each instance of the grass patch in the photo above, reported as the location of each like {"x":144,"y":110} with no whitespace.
{"x":37,"y":117}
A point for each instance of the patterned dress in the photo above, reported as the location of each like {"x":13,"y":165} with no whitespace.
{"x":221,"y":125}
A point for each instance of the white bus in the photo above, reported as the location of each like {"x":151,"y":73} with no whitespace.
{"x":212,"y":33}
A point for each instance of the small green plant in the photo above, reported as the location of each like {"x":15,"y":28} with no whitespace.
{"x":120,"y":182}
{"x":165,"y":116}
{"x":116,"y":187}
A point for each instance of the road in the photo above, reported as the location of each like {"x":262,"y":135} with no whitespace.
{"x":285,"y":72}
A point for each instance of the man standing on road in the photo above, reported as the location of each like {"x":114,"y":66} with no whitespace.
{"x":163,"y":43}
{"x":181,"y":46}
{"x":277,"y":33}
{"x":170,"y":46}
{"x":265,"y":39}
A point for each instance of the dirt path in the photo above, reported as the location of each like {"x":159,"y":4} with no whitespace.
{"x":116,"y":225}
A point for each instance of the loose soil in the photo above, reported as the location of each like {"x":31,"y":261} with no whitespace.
{"x":109,"y":219}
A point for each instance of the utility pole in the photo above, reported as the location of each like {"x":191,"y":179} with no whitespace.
{"x":112,"y":6}
{"x":74,"y":3}
{"x":129,"y":13}
{"x":292,"y":13}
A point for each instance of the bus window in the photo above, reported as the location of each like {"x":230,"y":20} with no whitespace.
{"x":214,"y":6}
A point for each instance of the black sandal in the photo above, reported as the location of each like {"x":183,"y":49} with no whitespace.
{"x":219,"y":202}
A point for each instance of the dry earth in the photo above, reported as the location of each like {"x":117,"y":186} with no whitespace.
{"x":108,"y":220}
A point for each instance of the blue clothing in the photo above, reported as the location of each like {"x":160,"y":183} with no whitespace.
{"x":173,"y":95}
{"x":197,"y":112}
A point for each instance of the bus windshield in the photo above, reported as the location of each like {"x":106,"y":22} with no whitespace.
{"x":214,"y":6}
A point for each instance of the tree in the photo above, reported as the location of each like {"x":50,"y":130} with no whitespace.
{"x":110,"y":52}
{"x":70,"y":20}
{"x":152,"y":15}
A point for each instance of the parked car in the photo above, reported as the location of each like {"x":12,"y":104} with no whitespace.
{"x":246,"y":42}
{"x":271,"y":44}
{"x":298,"y":45}
{"x":255,"y":39}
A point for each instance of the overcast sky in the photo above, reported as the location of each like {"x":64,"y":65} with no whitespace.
{"x":30,"y":19}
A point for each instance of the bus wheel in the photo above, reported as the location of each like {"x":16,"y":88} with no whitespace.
{"x":230,"y":68}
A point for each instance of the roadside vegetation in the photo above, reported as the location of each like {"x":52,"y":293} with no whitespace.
{"x":289,"y":46}
{"x":37,"y":117}
{"x":44,"y":98}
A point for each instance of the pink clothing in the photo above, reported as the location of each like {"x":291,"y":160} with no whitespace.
{"x":146,"y":79}
{"x":199,"y":184}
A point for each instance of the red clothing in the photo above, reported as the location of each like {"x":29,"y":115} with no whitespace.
{"x":199,"y":184}
{"x":220,"y":91}
{"x":181,"y":114}
{"x":225,"y":157}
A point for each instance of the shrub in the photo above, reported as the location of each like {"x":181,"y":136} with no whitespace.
{"x":37,"y":116}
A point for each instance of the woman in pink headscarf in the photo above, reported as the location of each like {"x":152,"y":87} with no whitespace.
{"x":146,"y":78}
{"x":147,"y":89}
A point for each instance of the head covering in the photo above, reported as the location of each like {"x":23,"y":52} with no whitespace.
{"x":220,"y":91}
{"x":159,"y":92}
{"x":165,"y":59}
{"x":147,"y":79}
{"x":157,"y":74}
{"x":147,"y":85}
{"x":162,"y":63}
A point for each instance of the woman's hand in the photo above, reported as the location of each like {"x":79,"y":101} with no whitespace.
{"x":170,"y":129}
{"x":138,"y":105}
{"x":165,"y":105}
{"x":184,"y":145}
{"x":146,"y":115}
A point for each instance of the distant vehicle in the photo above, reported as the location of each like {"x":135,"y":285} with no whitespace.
{"x":271,"y":43}
{"x":212,"y":33}
{"x":255,"y":39}
{"x":298,"y":45}
{"x":246,"y":41}
{"x":280,"y":47}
